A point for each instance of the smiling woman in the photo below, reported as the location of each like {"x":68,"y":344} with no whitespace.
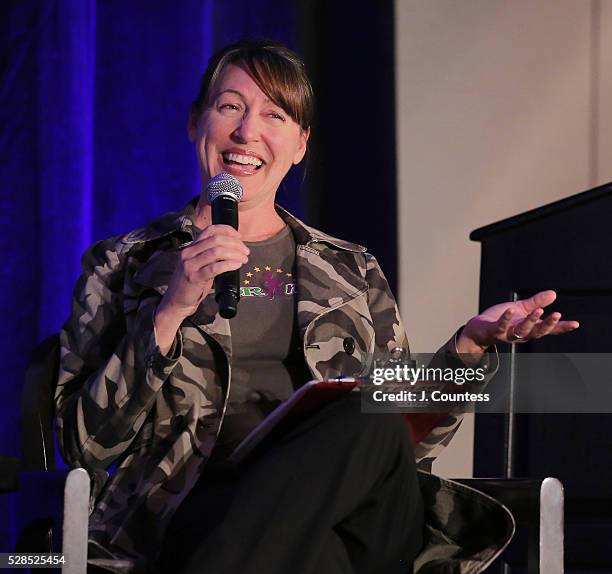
{"x":256,"y":106}
{"x":246,"y":133}
{"x":155,"y":382}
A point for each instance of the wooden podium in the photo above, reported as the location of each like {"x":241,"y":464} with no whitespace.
{"x":565,"y":246}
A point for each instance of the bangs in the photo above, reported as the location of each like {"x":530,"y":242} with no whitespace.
{"x":278,"y":72}
{"x":282,"y":85}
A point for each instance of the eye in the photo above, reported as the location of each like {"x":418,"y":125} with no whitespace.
{"x":228,"y":108}
{"x":276,"y":116}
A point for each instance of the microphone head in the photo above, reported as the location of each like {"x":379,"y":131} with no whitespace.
{"x":225,"y":185}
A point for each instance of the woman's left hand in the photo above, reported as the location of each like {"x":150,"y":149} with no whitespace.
{"x":513,"y":322}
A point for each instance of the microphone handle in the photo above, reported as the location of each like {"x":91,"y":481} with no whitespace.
{"x":225,"y":211}
{"x":227,"y":285}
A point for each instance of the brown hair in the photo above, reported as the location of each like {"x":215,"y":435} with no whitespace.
{"x":279,"y":73}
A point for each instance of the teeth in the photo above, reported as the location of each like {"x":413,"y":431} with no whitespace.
{"x":243,"y":159}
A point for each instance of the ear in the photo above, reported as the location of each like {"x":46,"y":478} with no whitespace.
{"x":302,"y":147}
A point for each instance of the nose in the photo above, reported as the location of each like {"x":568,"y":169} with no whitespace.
{"x":248,"y":128}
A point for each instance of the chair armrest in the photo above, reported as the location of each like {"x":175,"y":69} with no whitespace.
{"x":521,"y":496}
{"x":75,"y":526}
{"x":48,"y":499}
{"x":535,"y":503}
{"x":50,"y":502}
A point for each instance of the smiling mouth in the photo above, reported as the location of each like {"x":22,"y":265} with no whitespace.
{"x":242,"y":160}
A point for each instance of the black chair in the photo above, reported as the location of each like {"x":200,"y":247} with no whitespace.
{"x":58,"y":521}
{"x":52,"y":504}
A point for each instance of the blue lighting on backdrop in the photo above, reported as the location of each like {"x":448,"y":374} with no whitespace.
{"x":94,"y":104}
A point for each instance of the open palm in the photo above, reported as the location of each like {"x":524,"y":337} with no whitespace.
{"x":514,"y":322}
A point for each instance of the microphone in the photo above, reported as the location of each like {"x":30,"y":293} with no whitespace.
{"x":224,"y":193}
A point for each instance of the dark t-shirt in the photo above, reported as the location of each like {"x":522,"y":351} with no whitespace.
{"x":267,"y":357}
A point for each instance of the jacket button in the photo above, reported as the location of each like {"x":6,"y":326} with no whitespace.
{"x":349,"y":345}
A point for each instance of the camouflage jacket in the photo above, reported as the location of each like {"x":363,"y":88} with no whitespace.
{"x":156,"y":417}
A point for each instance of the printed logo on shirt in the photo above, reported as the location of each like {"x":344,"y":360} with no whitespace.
{"x":267,"y":282}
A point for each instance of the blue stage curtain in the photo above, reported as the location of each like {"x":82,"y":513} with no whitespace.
{"x":94,"y":100}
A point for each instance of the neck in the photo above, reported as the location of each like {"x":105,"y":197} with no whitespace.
{"x":255,"y":224}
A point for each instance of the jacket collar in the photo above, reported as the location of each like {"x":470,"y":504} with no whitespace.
{"x":327,"y":269}
{"x":182,"y":222}
{"x":306,"y":235}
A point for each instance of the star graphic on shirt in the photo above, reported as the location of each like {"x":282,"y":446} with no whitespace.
{"x":256,"y":269}
{"x":249,"y":274}
{"x":288,"y":274}
{"x":279,"y":270}
{"x":247,"y":282}
{"x":267,"y":268}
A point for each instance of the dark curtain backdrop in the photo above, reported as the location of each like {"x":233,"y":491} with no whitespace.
{"x":350,"y":48}
{"x":94,"y":99}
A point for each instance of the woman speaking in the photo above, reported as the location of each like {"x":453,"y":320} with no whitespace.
{"x":154,"y":382}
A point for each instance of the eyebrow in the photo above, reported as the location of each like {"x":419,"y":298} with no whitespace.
{"x":238,"y":93}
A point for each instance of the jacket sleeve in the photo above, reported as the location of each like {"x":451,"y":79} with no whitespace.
{"x":110,"y":368}
{"x":389,"y":330}
{"x":434,"y":430}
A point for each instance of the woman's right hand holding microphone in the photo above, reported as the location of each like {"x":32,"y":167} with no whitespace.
{"x":216,"y":250}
